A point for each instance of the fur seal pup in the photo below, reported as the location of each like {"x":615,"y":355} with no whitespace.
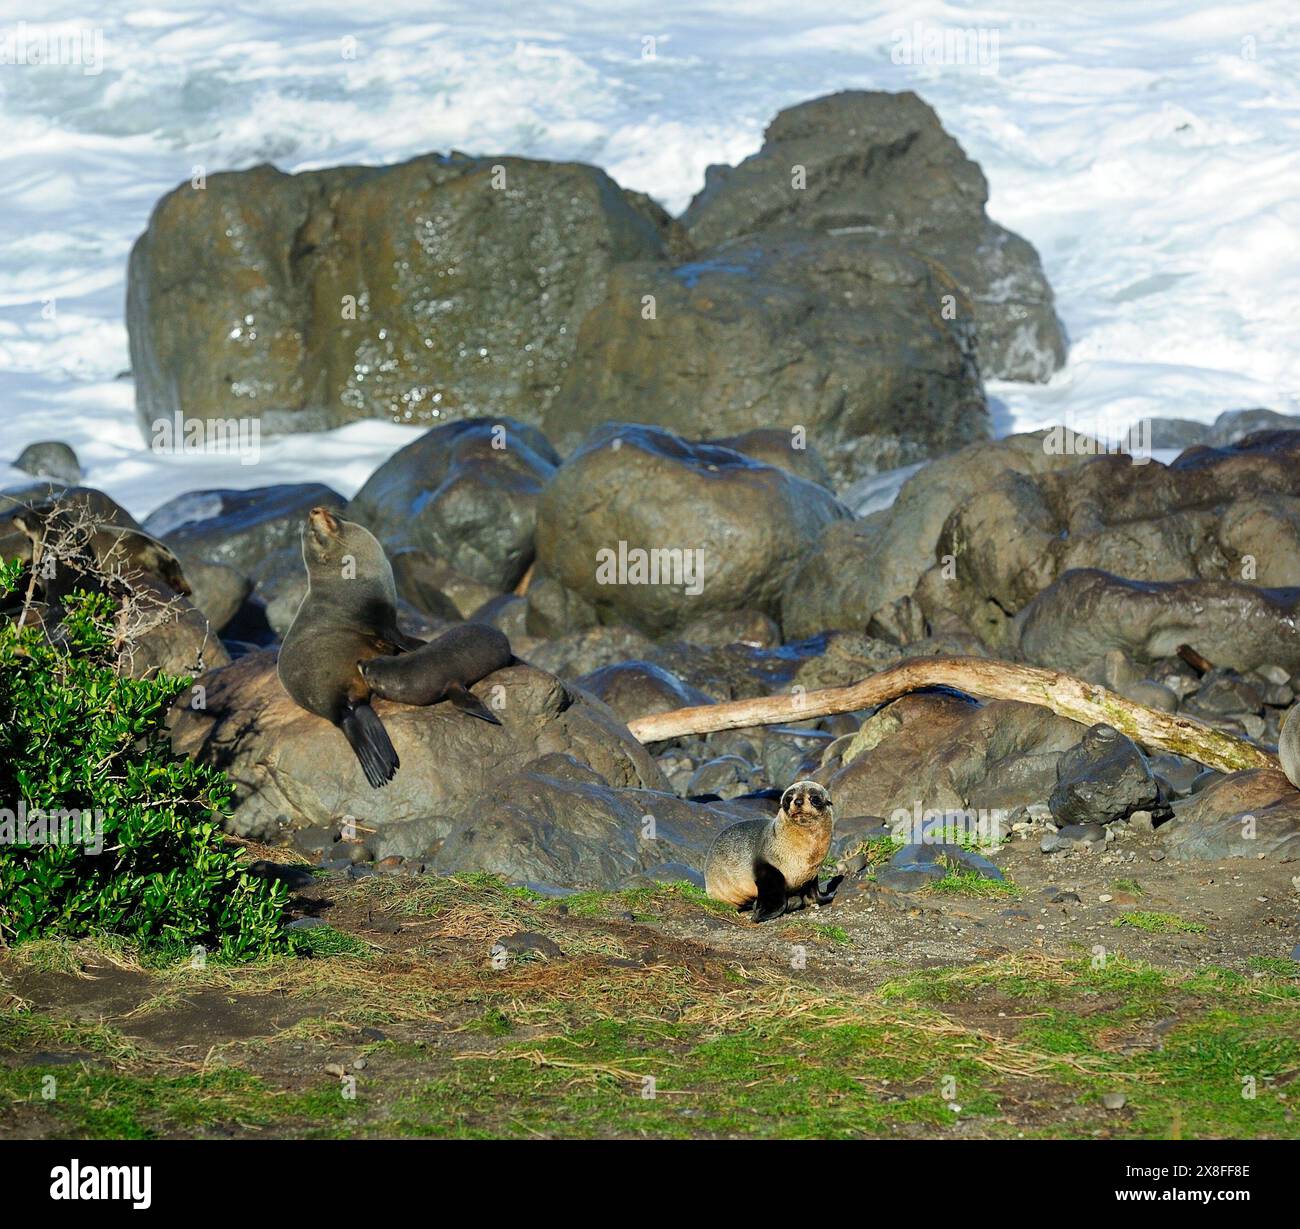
{"x":348,"y":615}
{"x":772,"y":864}
{"x":443,"y":669}
{"x":1288,"y":746}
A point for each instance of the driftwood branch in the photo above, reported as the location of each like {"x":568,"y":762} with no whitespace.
{"x":1064,"y":694}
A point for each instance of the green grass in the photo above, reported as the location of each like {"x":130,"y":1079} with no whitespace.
{"x":962,"y":881}
{"x":1128,"y":885}
{"x":1158,"y":923}
{"x":576,"y":1046}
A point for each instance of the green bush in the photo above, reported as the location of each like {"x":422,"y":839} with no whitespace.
{"x":77,"y":737}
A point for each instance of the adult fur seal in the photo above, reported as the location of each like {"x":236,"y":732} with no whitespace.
{"x":1288,"y":746}
{"x":443,"y":669}
{"x":772,"y":864}
{"x":348,"y":616}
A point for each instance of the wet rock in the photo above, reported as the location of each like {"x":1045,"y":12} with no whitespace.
{"x":442,"y":287}
{"x":242,"y":529}
{"x":667,"y":872}
{"x":639,"y":688}
{"x":413,"y":838}
{"x":947,"y":855}
{"x":1152,"y":695}
{"x":726,"y":531}
{"x":1073,"y":623}
{"x":834,"y":334}
{"x":787,"y":450}
{"x":1225,"y":693}
{"x":726,"y":776}
{"x":433,"y":586}
{"x":50,"y":459}
{"x":1232,"y":426}
{"x":294,"y":769}
{"x":1143,"y":522}
{"x":719,"y":628}
{"x":534,"y":828}
{"x":465,"y":492}
{"x":882,"y":162}
{"x":583,"y":652}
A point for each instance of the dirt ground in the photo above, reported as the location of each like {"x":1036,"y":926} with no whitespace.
{"x":1104,"y":994}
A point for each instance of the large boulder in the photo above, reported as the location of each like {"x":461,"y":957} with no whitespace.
{"x":1086,"y":614}
{"x":882,"y":163}
{"x":1205,"y":516}
{"x":242,"y":529}
{"x":442,"y":287}
{"x":859,"y":570}
{"x":1252,"y":814}
{"x":838,"y":335}
{"x":465,"y":492}
{"x":947,"y":752}
{"x":292,"y":769}
{"x":654,"y":531}
{"x":537,"y":827}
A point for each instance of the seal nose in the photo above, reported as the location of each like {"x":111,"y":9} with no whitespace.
{"x":323,"y":521}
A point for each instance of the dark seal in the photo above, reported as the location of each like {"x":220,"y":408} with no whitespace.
{"x":348,"y":616}
{"x":444,"y":669}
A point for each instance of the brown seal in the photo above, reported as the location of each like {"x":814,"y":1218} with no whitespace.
{"x":443,"y":669}
{"x":348,"y":616}
{"x":772,"y":864}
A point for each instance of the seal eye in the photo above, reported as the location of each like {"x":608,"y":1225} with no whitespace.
{"x":787,"y":801}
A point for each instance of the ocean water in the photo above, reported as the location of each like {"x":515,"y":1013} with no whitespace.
{"x":1151,"y":152}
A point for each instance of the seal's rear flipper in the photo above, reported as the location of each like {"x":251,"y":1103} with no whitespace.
{"x":368,"y":738}
{"x":468,"y":702}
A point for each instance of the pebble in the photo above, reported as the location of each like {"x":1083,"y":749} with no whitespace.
{"x":1141,"y":821}
{"x":337,"y":1069}
{"x":1114,"y":1100}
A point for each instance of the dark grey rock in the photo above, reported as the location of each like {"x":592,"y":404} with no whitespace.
{"x":1106,"y":777}
{"x":50,"y":459}
{"x":881,"y":163}
{"x":466,"y":492}
{"x":242,"y":529}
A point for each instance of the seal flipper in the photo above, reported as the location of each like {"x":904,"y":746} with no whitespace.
{"x":771,"y":891}
{"x":368,"y":738}
{"x":469,"y":703}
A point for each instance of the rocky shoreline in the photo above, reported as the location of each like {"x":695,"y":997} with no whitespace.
{"x":647,"y":448}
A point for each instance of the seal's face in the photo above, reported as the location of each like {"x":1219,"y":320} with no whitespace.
{"x":321,"y":536}
{"x":806,"y":803}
